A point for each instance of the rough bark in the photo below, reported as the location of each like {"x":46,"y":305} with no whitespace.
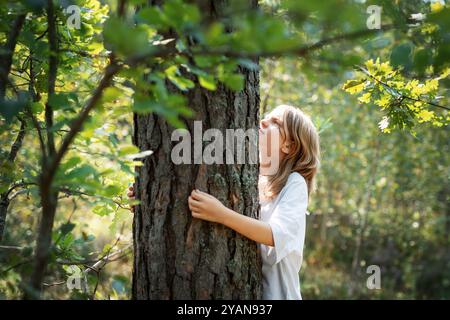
{"x":176,"y":256}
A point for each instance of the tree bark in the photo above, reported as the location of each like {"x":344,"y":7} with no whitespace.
{"x":49,"y":200}
{"x":48,"y":193}
{"x":176,"y":256}
{"x":4,"y":197}
{"x":6,"y":53}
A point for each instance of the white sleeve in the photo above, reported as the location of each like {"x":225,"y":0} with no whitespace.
{"x":288,"y":221}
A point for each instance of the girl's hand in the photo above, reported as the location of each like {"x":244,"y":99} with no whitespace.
{"x":130,"y":195}
{"x":206,"y":207}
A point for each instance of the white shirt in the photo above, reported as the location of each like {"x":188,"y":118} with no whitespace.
{"x":286,"y":215}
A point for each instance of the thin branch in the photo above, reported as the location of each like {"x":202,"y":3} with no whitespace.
{"x":84,"y":54}
{"x":52,"y":73}
{"x":39,"y":132}
{"x":15,"y":266}
{"x":19,"y":76}
{"x":93,"y":264}
{"x":36,"y":97}
{"x":102,"y":262}
{"x":18,"y":142}
{"x":41,"y":35}
{"x":70,"y":192}
{"x":301,"y":51}
{"x":399,"y":95}
{"x":4,"y":200}
{"x":427,"y":102}
{"x":7,"y":52}
{"x":17,"y":193}
{"x":19,"y":185}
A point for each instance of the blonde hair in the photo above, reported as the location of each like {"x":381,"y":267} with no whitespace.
{"x":304,"y":154}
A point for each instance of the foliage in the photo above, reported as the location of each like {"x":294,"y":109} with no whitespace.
{"x":423,"y":58}
{"x":405,"y":102}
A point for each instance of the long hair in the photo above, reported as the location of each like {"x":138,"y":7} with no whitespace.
{"x":304,"y":155}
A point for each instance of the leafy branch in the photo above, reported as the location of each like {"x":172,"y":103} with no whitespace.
{"x":395,"y":93}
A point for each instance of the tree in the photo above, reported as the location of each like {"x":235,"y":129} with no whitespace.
{"x":177,"y":257}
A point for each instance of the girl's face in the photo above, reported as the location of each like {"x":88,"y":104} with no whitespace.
{"x":271,"y":142}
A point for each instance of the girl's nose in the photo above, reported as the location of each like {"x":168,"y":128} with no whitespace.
{"x":264,"y":124}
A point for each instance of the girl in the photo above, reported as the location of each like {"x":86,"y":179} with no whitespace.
{"x":284,"y":195}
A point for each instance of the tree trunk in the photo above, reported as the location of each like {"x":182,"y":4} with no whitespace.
{"x":49,"y":201}
{"x":176,"y":256}
{"x":7,"y":51}
{"x":4,"y":197}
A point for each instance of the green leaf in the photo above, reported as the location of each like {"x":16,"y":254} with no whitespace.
{"x":207,"y":82}
{"x":102,"y":210}
{"x":249,"y":64}
{"x":126,"y":150}
{"x":118,"y":286}
{"x":144,"y":106}
{"x":234,"y":81}
{"x":112,"y":190}
{"x":72,"y":162}
{"x":206,"y":61}
{"x":441,"y":19}
{"x":67,"y":227}
{"x":137,"y":40}
{"x":153,"y":16}
{"x":37,"y":107}
{"x":353,"y":86}
{"x":443,"y":56}
{"x":401,"y":56}
{"x":422,"y":59}
{"x":180,"y":14}
{"x":182,"y":83}
{"x":9,"y":109}
{"x":59,"y":101}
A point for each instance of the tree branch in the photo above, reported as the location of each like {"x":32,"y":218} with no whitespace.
{"x":4,"y":200}
{"x":70,"y":192}
{"x":52,"y":73}
{"x":400,"y":95}
{"x":39,"y":132}
{"x":36,"y":97}
{"x":301,"y":51}
{"x":7,"y":52}
{"x":18,"y":142}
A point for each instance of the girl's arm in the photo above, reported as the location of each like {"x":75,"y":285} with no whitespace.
{"x":204,"y":206}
